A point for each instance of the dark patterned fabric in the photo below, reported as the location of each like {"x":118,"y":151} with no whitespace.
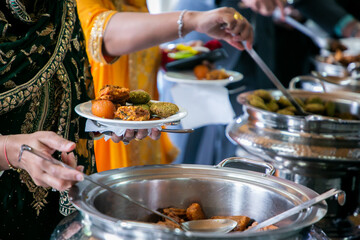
{"x":44,"y":74}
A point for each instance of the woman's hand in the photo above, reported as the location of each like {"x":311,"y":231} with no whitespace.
{"x":264,"y":7}
{"x":137,"y":134}
{"x":45,"y":173}
{"x":221,"y":23}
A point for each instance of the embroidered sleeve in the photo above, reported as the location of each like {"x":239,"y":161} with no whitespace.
{"x":96,"y":38}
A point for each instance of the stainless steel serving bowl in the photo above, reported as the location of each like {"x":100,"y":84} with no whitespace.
{"x":219,"y":190}
{"x":317,"y":152}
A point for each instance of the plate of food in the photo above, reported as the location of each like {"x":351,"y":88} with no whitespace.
{"x":219,"y":77}
{"x":119,"y":107}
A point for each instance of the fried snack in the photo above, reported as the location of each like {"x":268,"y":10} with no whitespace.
{"x":217,"y":74}
{"x":270,"y":227}
{"x":195,"y":212}
{"x":265,"y":95}
{"x":314,"y":99}
{"x":115,"y":94}
{"x":242,"y":221}
{"x":144,"y":106}
{"x":257,"y":101}
{"x":283,"y":102}
{"x":330,"y":109}
{"x":347,"y":116}
{"x":103,"y":108}
{"x":163,"y":109}
{"x":132,"y":113}
{"x":179,"y":214}
{"x":139,"y":97}
{"x":285,"y":112}
{"x":317,"y":108}
{"x":200,"y":71}
{"x":272,"y":106}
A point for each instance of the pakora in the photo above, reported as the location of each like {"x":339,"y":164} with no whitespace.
{"x":163,"y":109}
{"x":116,"y":94}
{"x":139,"y":97}
{"x":132,"y":113}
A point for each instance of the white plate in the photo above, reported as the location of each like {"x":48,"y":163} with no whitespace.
{"x":188,"y":77}
{"x":353,"y":45}
{"x":84,"y":110}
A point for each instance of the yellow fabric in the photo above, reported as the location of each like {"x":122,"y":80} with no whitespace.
{"x":135,"y":71}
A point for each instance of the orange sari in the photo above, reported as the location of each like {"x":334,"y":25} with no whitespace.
{"x":134,"y":71}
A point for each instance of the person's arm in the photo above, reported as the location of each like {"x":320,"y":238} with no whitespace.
{"x":328,"y":14}
{"x":118,"y":33}
{"x":129,"y":32}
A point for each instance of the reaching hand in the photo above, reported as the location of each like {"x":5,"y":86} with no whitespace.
{"x":223,"y":23}
{"x":264,"y":7}
{"x":45,"y":173}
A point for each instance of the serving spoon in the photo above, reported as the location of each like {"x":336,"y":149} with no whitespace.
{"x":341,"y":197}
{"x":274,"y":79}
{"x":206,"y":225}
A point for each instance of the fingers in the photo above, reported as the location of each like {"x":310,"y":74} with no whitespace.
{"x":280,"y":5}
{"x":155,"y":134}
{"x":141,"y":134}
{"x":238,"y":29}
{"x":54,"y":141}
{"x":47,"y":174}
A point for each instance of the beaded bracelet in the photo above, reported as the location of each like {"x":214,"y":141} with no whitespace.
{"x":6,"y":157}
{"x":180,"y":23}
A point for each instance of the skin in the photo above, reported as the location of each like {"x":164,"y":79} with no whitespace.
{"x":265,"y":7}
{"x":144,"y":30}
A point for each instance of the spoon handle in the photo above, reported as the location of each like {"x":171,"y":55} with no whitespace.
{"x":299,"y":208}
{"x":88,"y":178}
{"x":273,"y":78}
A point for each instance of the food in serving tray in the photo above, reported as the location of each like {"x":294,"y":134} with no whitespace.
{"x":264,"y":100}
{"x":339,"y":57}
{"x":195,"y":212}
{"x":116,"y":102}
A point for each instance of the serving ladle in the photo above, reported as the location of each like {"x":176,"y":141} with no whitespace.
{"x":206,"y":225}
{"x":274,"y":79}
{"x":341,"y":197}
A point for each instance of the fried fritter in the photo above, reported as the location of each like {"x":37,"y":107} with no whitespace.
{"x":139,"y":97}
{"x":317,"y":108}
{"x":195,"y":212}
{"x":115,"y":94}
{"x":132,"y":113}
{"x":265,"y":95}
{"x":163,"y":109}
{"x":217,"y":74}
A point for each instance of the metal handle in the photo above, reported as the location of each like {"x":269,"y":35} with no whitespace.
{"x":321,"y":42}
{"x":299,"y":79}
{"x":88,"y":178}
{"x":270,"y":168}
{"x":341,"y":197}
